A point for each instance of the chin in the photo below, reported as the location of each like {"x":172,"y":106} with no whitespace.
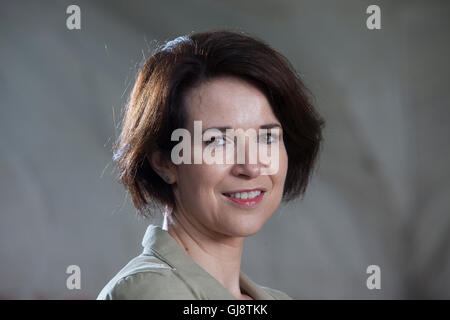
{"x":245,"y":228}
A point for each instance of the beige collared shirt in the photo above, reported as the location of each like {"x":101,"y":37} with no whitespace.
{"x":164,"y":270}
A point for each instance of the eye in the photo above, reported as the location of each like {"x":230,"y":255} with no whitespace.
{"x":216,"y":140}
{"x":268,"y":138}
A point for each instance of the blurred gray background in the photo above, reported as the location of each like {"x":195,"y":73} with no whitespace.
{"x":381,"y":192}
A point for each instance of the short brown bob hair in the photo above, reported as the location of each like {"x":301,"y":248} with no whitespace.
{"x":155,"y":108}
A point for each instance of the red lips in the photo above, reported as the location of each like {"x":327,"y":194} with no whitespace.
{"x":246,"y":203}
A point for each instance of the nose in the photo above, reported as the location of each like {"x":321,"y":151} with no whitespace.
{"x":250,"y":171}
{"x":251,"y":167}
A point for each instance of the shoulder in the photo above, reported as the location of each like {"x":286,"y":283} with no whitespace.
{"x":158,"y":285}
{"x":276,"y":294}
{"x":145,"y":278}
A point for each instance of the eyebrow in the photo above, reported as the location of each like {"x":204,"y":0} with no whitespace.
{"x":264,"y":126}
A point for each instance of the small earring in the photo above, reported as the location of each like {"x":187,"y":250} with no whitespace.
{"x":167,"y":179}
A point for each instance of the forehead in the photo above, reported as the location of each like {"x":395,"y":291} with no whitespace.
{"x":228,"y":101}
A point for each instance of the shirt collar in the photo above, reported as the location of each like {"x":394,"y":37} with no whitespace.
{"x":159,"y":242}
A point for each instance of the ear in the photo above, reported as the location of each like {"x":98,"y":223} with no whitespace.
{"x":163,"y":166}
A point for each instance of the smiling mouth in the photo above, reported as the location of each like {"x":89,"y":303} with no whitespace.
{"x":245,"y":199}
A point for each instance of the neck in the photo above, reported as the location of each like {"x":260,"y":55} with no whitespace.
{"x":218,"y":254}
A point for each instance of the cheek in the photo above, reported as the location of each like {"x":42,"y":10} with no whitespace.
{"x":201,"y":178}
{"x":280,"y":176}
{"x":283,"y":163}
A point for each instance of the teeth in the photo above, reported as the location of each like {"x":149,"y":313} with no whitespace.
{"x":246,"y":195}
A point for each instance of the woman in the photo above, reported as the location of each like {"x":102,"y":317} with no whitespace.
{"x":203,"y":84}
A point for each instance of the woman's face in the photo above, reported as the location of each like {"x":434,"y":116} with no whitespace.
{"x":206,"y":194}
